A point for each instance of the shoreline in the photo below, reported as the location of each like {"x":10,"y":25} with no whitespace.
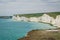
{"x":41,"y":34}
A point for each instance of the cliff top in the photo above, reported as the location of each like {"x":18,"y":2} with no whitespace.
{"x":52,"y":14}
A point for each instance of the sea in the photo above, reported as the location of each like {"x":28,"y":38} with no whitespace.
{"x":13,"y":30}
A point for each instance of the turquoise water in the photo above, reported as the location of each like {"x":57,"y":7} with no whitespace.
{"x":11,"y":30}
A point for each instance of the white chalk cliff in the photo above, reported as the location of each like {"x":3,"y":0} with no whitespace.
{"x":44,"y":18}
{"x":57,"y":21}
{"x":33,"y":19}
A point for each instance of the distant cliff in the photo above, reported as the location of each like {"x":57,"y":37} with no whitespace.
{"x":48,"y":17}
{"x":42,"y":35}
{"x":52,"y":14}
{"x":5,"y":17}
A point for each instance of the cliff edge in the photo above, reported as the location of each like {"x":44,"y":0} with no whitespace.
{"x":42,"y":35}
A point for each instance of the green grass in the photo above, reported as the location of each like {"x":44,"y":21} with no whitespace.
{"x":52,"y":14}
{"x":30,"y":15}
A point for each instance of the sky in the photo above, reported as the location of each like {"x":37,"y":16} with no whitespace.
{"x":11,"y":7}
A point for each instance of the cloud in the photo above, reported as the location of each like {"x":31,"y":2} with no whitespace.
{"x":6,"y":1}
{"x":10,"y":7}
{"x":51,"y":1}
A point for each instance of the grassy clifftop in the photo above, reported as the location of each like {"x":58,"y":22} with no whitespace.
{"x":31,"y":15}
{"x":52,"y":14}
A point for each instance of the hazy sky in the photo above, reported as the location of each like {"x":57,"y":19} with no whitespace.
{"x":10,"y":7}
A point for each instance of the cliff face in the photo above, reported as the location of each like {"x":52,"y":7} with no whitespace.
{"x":42,"y":35}
{"x":47,"y":18}
{"x":57,"y":21}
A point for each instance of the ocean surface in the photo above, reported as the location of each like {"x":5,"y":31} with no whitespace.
{"x":13,"y":30}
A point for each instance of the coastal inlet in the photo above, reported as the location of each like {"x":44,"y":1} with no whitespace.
{"x":13,"y":30}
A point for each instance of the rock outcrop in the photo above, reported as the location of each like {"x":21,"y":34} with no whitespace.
{"x":42,"y":35}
